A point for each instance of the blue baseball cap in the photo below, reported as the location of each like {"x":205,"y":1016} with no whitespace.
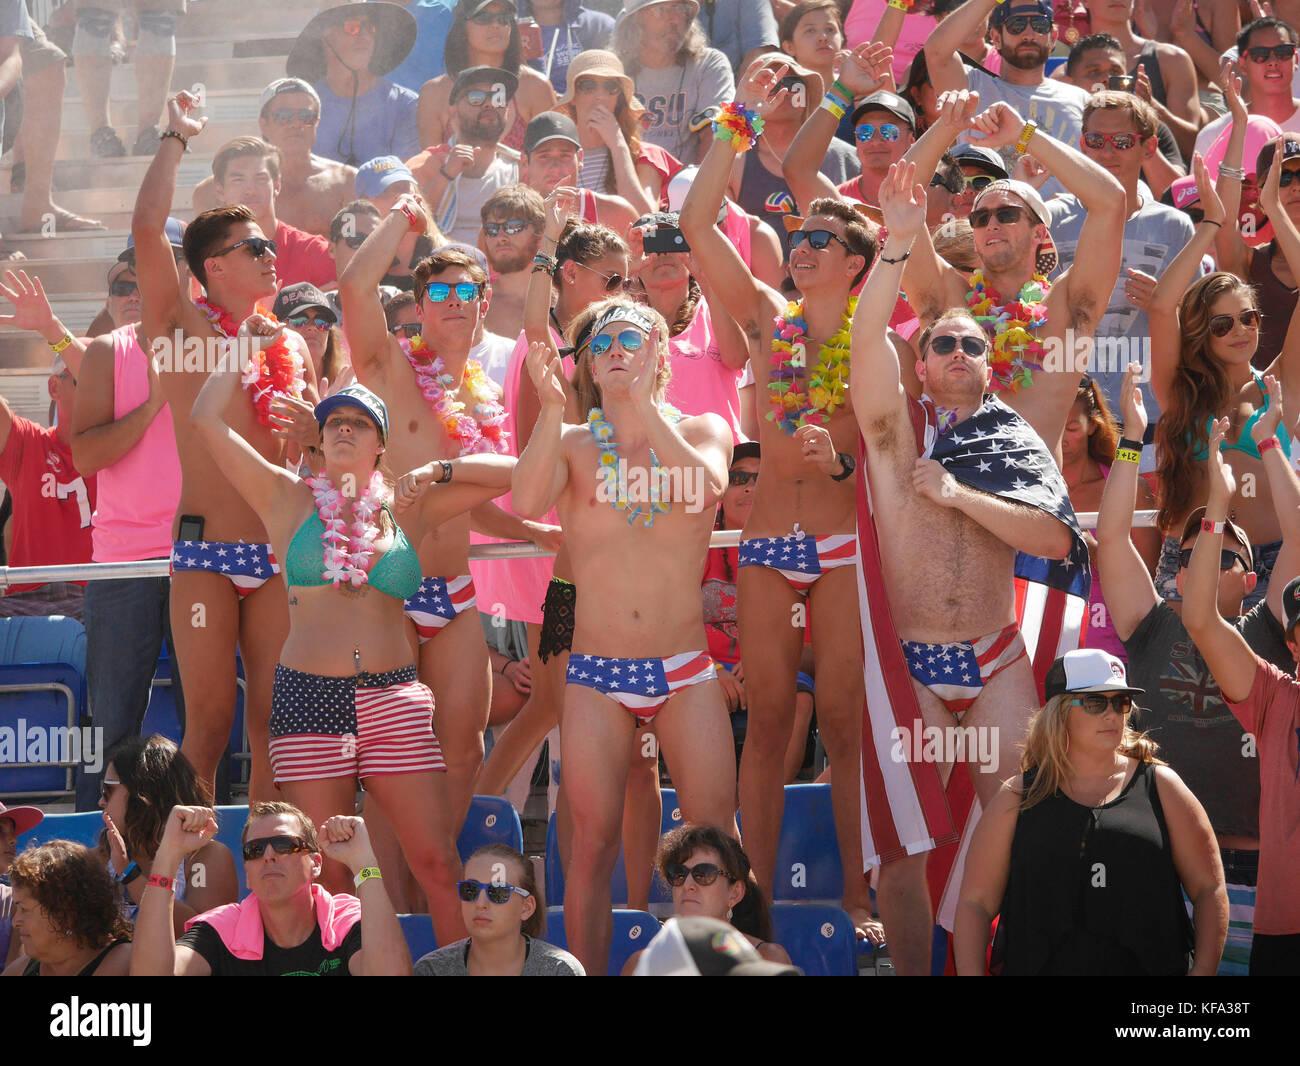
{"x":356,"y":396}
{"x":175,"y":230}
{"x":379,"y":173}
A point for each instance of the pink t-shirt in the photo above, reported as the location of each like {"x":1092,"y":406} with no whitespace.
{"x":701,"y":382}
{"x":139,"y":493}
{"x":1272,"y":713}
{"x":517,"y":584}
{"x":861,"y":24}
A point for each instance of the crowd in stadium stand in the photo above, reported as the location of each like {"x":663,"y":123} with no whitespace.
{"x":971,"y":319}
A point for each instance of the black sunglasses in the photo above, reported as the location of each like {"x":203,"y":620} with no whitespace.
{"x":256,"y":849}
{"x":1227,"y":557}
{"x":1263,"y":53}
{"x":587,"y":86}
{"x":468,"y":890}
{"x":354,"y":240}
{"x":282,"y":116}
{"x":512,"y":227}
{"x":1221,"y":325}
{"x":257,"y":247}
{"x":1006,"y":215}
{"x":742,"y":477}
{"x":1016,"y":24}
{"x":946,"y":345}
{"x":123,"y":288}
{"x":410,"y":330}
{"x":1096,"y":703}
{"x":703,"y":873}
{"x":1287,"y":177}
{"x":817,"y":238}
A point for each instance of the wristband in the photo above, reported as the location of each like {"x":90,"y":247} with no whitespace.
{"x":1212,"y":527}
{"x":185,"y":143}
{"x":842,"y":91}
{"x":1211,"y":222}
{"x":738,"y":125}
{"x":129,"y":874}
{"x":849,"y":465}
{"x":1232,"y":172}
{"x":412,"y":219}
{"x":61,"y":343}
{"x":900,"y":259}
{"x":1026,"y":135}
{"x":905,"y":6}
{"x":1269,"y":445}
{"x":547,"y":264}
{"x":446,"y":472}
{"x":367,"y":873}
{"x":829,"y":104}
{"x":1129,"y":442}
{"x":158,"y":881}
{"x":1128,"y":455}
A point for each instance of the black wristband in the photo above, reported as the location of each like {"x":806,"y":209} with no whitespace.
{"x":900,"y":259}
{"x":185,"y":143}
{"x":849,"y":464}
{"x":446,"y":472}
{"x":1125,"y":442}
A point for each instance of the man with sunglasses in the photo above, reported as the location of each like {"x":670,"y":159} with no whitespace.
{"x":1188,"y":708}
{"x":288,"y":926}
{"x":1024,"y":33}
{"x":1266,"y":60}
{"x":513,"y":219}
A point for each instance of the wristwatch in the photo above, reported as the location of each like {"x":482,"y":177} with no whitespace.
{"x":849,"y":464}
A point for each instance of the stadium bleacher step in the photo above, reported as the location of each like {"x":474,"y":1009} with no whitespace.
{"x":94,"y":202}
{"x":63,"y":277}
{"x":88,"y":244}
{"x":211,"y":73}
{"x":124,"y":173}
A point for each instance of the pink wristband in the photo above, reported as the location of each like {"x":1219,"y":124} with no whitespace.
{"x":1266,"y":445}
{"x":158,"y":881}
{"x":1212,"y":527}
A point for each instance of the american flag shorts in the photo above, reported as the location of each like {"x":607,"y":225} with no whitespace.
{"x":248,"y":566}
{"x":437,"y":601}
{"x":641,"y":685}
{"x":801,"y":558}
{"x":957,"y":673}
{"x":355,"y":726}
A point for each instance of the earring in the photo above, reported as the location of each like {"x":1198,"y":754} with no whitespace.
{"x":730,"y":912}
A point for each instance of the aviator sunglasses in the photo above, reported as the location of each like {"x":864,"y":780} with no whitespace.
{"x":946,"y":345}
{"x":630,"y":340}
{"x":1221,"y":325}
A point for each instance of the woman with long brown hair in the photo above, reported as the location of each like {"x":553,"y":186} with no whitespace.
{"x":1084,"y":857}
{"x":1204,"y":334}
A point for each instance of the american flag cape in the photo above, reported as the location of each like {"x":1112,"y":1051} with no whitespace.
{"x":905,"y":808}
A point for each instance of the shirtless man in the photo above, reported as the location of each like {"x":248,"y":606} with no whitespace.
{"x":963,"y":587}
{"x":449,"y":288}
{"x":638,"y":635}
{"x":226,"y":590}
{"x":312,"y":188}
{"x":1014,"y":246}
{"x":797,"y":549}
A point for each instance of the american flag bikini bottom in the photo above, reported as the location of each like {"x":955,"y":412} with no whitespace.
{"x":957,"y":673}
{"x":438,"y":601}
{"x":798,"y":556}
{"x":248,"y":566}
{"x":641,"y":685}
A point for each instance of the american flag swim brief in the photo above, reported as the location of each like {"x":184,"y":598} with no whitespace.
{"x":438,"y":601}
{"x":355,"y":726}
{"x":957,"y":673}
{"x":248,"y":566}
{"x":801,"y":557}
{"x":641,"y":685}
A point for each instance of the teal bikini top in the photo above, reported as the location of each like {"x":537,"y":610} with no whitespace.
{"x":397,"y":573}
{"x":1245,"y":442}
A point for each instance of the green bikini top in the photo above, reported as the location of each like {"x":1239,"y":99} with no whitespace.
{"x":397,"y":573}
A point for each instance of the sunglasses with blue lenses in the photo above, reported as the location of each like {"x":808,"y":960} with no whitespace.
{"x":630,"y":340}
{"x":817,"y":238}
{"x":466,"y":291}
{"x":867,"y":132}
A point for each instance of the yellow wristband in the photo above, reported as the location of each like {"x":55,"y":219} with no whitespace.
{"x":60,"y":344}
{"x":365,"y":874}
{"x":1128,"y":455}
{"x":904,"y":6}
{"x":1022,"y":145}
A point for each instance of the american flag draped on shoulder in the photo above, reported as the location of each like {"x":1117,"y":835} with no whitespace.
{"x":906,"y":809}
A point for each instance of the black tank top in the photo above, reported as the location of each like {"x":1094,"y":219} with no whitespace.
{"x":757,"y":184}
{"x":1148,"y":59}
{"x":33,"y":968}
{"x":1094,"y":891}
{"x":1276,"y":302}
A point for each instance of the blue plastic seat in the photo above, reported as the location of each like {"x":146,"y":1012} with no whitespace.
{"x":659,"y":892}
{"x":491,"y":820}
{"x":418,"y":930}
{"x":230,"y":831}
{"x":633,"y":930}
{"x":808,"y":855}
{"x":81,"y":828}
{"x":820,"y":939}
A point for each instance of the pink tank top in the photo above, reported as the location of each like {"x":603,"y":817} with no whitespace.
{"x":519,"y":585}
{"x":139,"y":493}
{"x":701,"y":382}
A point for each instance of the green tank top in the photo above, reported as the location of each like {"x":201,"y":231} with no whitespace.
{"x":397,"y":573}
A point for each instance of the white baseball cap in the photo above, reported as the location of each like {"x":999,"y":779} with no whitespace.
{"x":1088,"y":670}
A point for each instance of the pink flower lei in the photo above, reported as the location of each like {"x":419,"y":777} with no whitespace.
{"x":347,"y":557}
{"x":274,"y":370}
{"x":483,"y":430}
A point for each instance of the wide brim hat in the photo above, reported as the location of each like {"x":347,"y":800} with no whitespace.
{"x":633,"y":6}
{"x":394,"y":38}
{"x":597,"y":63}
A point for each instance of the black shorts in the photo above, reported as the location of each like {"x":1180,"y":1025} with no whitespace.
{"x":1275,"y":956}
{"x":557,"y":618}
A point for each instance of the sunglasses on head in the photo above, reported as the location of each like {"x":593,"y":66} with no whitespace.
{"x":742,"y":477}
{"x":256,"y":849}
{"x":468,"y":891}
{"x":356,"y":27}
{"x":702,"y":873}
{"x":947,"y":344}
{"x":313,"y":320}
{"x":257,"y":247}
{"x":1096,"y":703}
{"x":466,"y":291}
{"x":1221,"y":325}
{"x":613,"y":282}
{"x":1287,"y":177}
{"x":1122,"y":141}
{"x":1005,"y":215}
{"x":1263,"y":53}
{"x":283,"y":116}
{"x":1227,"y":559}
{"x":512,"y":227}
{"x":587,"y":86}
{"x":867,"y":132}
{"x":123,"y":288}
{"x":816,"y":238}
{"x":410,"y":330}
{"x":493,"y":18}
{"x":1017,"y":24}
{"x":630,"y":340}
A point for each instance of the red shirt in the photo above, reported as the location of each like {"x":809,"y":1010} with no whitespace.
{"x":302,"y":256}
{"x":52,"y":502}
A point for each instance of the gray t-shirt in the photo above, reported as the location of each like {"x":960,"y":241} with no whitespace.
{"x":671,"y":95}
{"x":737,"y":27}
{"x":1185,"y":714}
{"x":1153,"y":236}
{"x":1054,"y":105}
{"x":541,"y":960}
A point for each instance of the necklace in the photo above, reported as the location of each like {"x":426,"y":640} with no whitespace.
{"x":480,"y":431}
{"x":1017,"y":352}
{"x":611,"y":470}
{"x":275,"y":370}
{"x":347,"y":556}
{"x":826,"y":385}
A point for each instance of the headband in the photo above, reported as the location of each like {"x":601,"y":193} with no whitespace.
{"x":638,"y":316}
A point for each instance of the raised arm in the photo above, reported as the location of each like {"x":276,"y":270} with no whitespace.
{"x":99,"y":439}
{"x":1287,"y":364}
{"x":1184,"y":32}
{"x":542,"y":472}
{"x":383,"y":953}
{"x":464,"y":483}
{"x":1027,"y":529}
{"x":1284,"y":487}
{"x":32,"y":311}
{"x":1224,"y":649}
{"x":942,"y":50}
{"x":1130,"y":593}
{"x":1231,"y":252}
